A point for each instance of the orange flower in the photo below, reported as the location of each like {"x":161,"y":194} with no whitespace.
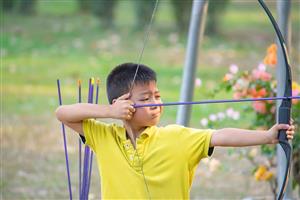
{"x":296,"y":87}
{"x":267,"y":176}
{"x":227,"y":77}
{"x":257,"y":93}
{"x":271,"y":57}
{"x":262,"y":92}
{"x":252,"y":92}
{"x":263,"y":174}
{"x":272,"y":48}
{"x":295,"y":91}
{"x":260,"y":172}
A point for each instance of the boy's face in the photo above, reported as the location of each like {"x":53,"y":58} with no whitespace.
{"x":146,"y":94}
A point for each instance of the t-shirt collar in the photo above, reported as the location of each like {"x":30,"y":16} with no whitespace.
{"x":146,"y":133}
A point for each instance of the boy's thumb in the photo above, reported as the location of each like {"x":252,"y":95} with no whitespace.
{"x":282,"y":126}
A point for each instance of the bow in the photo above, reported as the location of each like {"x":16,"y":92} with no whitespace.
{"x":284,"y":111}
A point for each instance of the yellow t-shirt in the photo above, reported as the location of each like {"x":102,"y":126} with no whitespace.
{"x":168,"y":157}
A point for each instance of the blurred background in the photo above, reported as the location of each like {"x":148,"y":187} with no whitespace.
{"x":43,"y":40}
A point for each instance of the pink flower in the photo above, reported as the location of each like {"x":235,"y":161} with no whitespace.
{"x":262,"y":75}
{"x":295,"y":93}
{"x":198,"y":82}
{"x":259,"y":107}
{"x":233,"y":69}
{"x":237,"y":95}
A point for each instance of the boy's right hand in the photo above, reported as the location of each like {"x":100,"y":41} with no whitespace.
{"x":122,"y":108}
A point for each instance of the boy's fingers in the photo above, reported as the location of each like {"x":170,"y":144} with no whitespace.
{"x":292,"y":127}
{"x":290,"y":137}
{"x":124,"y":96}
{"x":131,"y":109}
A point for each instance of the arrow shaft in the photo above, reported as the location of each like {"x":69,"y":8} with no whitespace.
{"x":217,"y":101}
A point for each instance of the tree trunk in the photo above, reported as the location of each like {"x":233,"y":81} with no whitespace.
{"x":104,"y":9}
{"x":27,"y":7}
{"x":144,"y":9}
{"x":182,"y":13}
{"x":214,"y":15}
{"x":84,"y":5}
{"x":7,"y":5}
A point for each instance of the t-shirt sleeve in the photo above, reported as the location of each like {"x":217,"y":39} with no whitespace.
{"x":95,"y":132}
{"x":197,"y":144}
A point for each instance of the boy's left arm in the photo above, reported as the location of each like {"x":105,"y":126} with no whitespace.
{"x":233,"y":137}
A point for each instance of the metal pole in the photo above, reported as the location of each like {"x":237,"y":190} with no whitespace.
{"x":196,"y":30}
{"x":283,"y":10}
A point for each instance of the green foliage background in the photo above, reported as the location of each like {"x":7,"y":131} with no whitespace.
{"x":58,"y":41}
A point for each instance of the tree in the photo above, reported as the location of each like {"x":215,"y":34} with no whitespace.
{"x":104,"y":9}
{"x":27,"y":7}
{"x":182,"y":13}
{"x":84,"y":5}
{"x":183,"y":9}
{"x":7,"y":5}
{"x":144,"y":9}
{"x":214,"y":15}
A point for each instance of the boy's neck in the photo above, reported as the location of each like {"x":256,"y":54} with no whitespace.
{"x":133,"y":132}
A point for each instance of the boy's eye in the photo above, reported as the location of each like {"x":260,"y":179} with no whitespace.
{"x":145,"y":99}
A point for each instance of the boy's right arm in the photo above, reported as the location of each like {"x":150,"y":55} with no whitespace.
{"x":73,"y":115}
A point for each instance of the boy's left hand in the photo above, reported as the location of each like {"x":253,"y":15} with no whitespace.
{"x":273,"y":132}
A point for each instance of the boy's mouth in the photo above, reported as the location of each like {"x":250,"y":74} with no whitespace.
{"x":155,"y":115}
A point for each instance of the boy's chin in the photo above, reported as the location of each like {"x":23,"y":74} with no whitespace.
{"x":153,"y":122}
{"x":150,"y":122}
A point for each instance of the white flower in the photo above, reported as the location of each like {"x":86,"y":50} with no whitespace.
{"x":241,"y":83}
{"x":233,"y":69}
{"x":221,"y":115}
{"x":236,"y":115}
{"x":253,"y":152}
{"x":261,"y":67}
{"x":213,"y":117}
{"x":229,"y":112}
{"x":214,"y":164}
{"x":205,"y":161}
{"x":204,"y":122}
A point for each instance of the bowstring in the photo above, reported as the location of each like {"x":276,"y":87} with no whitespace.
{"x":147,"y":33}
{"x":146,"y":38}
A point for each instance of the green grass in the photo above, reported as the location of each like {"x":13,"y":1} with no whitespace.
{"x":57,"y":43}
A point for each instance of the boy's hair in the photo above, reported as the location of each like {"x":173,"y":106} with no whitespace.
{"x":120,"y":79}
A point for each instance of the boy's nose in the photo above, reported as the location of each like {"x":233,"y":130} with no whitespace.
{"x":153,"y":107}
{"x":154,"y":101}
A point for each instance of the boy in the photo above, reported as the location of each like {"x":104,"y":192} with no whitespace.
{"x":140,"y":160}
